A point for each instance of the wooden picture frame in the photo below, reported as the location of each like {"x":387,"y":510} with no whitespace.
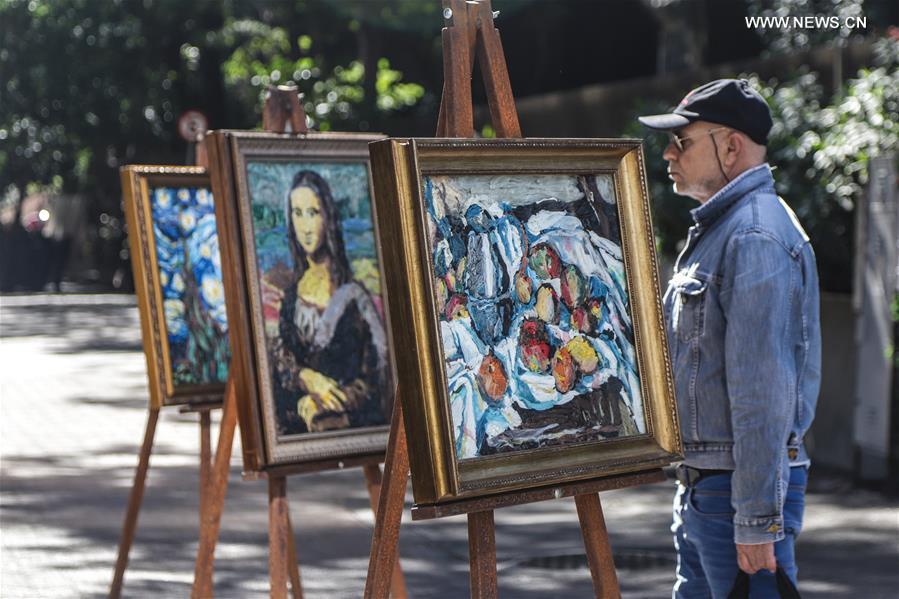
{"x":312,"y":365}
{"x":178,"y":282}
{"x":514,"y":267}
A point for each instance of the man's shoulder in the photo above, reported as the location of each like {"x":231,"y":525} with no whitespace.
{"x":763,"y":213}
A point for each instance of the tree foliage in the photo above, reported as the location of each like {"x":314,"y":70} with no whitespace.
{"x":332,"y":94}
{"x":820,"y":146}
{"x":88,"y":86}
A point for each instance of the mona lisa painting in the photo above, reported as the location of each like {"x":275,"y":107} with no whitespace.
{"x":321,"y":366}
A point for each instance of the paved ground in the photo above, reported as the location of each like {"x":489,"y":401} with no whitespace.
{"x":72,"y":414}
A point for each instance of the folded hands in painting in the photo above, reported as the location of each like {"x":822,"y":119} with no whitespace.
{"x":324,"y":396}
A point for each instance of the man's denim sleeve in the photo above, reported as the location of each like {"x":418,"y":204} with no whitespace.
{"x":757,"y":295}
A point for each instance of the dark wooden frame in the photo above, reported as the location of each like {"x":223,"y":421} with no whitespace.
{"x":230,"y":151}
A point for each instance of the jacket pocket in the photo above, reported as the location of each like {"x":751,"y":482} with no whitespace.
{"x":688,"y":313}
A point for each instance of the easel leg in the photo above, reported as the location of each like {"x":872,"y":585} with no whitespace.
{"x":215,"y":498}
{"x":482,"y":554}
{"x":386,"y":536}
{"x":373,"y":480}
{"x":293,"y":566}
{"x":134,"y":502}
{"x":277,"y":536}
{"x":596,"y":542}
{"x":205,"y":458}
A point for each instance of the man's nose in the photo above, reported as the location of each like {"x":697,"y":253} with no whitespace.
{"x":670,"y":153}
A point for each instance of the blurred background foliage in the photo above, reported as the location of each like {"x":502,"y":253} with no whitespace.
{"x":820,"y":145}
{"x":87,"y":86}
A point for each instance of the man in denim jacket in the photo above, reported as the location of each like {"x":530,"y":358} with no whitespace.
{"x":743,"y":330}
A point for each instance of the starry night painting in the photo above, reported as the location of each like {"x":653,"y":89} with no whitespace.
{"x":532,"y":300}
{"x":190,"y":275}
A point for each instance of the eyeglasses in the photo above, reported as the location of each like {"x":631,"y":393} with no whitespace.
{"x":679,"y":141}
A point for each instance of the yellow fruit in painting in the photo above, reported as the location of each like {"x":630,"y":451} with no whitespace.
{"x":523,"y":287}
{"x":441,"y":294}
{"x":585,"y":357}
{"x":547,"y":304}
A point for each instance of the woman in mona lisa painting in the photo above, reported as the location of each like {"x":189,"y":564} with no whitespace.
{"x":330,"y":361}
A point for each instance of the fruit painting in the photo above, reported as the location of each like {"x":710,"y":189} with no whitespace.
{"x":532,"y":301}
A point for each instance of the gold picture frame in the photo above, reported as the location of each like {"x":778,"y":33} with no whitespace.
{"x":496,"y":306}
{"x":255,"y":177}
{"x":177,"y":279}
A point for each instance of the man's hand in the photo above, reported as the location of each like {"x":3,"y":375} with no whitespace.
{"x":752,"y":558}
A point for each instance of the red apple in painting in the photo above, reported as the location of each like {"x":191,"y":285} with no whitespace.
{"x":456,"y":307}
{"x":534,"y":347}
{"x":574,"y":287}
{"x":523,"y":287}
{"x":545,"y":261}
{"x":492,"y":378}
{"x":547,"y":304}
{"x":563,"y":371}
{"x":594,"y":305}
{"x":583,"y":320}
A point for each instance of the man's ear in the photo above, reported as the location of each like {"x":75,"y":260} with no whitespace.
{"x":734,"y":146}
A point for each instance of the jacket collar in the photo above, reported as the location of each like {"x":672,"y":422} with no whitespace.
{"x":749,"y":180}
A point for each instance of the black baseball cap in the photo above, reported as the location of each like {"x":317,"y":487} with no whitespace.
{"x":729,"y":102}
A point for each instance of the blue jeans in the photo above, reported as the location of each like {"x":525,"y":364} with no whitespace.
{"x":704,"y":538}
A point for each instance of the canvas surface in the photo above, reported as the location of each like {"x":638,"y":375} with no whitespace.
{"x":190,"y":275}
{"x":532,"y":298}
{"x":320,"y":288}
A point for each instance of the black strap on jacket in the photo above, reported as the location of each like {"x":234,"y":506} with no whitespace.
{"x":785,"y":587}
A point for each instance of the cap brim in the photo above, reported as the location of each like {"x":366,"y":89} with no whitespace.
{"x":664,"y":122}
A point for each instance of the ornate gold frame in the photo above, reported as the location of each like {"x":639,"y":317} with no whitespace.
{"x":263,"y":449}
{"x":398,"y":166}
{"x":137,"y":180}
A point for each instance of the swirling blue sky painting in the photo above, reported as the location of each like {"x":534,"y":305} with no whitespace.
{"x":190,"y":273}
{"x":532,"y":298}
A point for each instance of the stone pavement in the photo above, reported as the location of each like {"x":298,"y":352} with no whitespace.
{"x":73,"y":401}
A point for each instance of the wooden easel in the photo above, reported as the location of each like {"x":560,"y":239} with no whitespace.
{"x":282,"y":108}
{"x":135,"y":498}
{"x":470,"y":32}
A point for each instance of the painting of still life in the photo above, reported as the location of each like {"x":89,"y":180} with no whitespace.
{"x":532,"y":301}
{"x":178,"y":272}
{"x":318,"y":277}
{"x":527,"y":326}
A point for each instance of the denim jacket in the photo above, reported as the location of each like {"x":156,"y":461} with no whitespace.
{"x":744,"y":333}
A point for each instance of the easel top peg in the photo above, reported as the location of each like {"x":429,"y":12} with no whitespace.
{"x":470,"y":35}
{"x":282,"y":108}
